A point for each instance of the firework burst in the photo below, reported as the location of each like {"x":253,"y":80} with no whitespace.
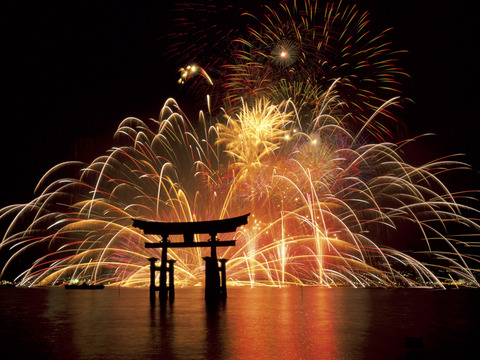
{"x":295,"y":50}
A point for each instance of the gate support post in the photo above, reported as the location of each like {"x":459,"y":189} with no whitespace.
{"x":171,"y":279}
{"x":153,"y":287}
{"x":163,"y":290}
{"x":223,"y":276}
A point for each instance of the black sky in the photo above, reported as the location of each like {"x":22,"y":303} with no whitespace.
{"x":72,"y":70}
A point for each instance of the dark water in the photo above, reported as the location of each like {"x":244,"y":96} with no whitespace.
{"x":258,"y":323}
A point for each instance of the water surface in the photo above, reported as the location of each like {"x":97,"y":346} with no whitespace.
{"x":259,"y":323}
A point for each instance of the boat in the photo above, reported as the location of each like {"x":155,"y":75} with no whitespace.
{"x":84,"y":286}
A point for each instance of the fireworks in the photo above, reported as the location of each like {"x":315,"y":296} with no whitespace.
{"x":320,"y":201}
{"x":294,"y":50}
{"x":192,"y":70}
{"x":299,"y":145}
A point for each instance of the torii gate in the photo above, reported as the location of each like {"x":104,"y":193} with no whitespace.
{"x":214,"y":289}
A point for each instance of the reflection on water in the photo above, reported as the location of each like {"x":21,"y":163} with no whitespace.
{"x":259,"y":323}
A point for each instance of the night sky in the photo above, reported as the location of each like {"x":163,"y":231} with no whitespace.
{"x":72,"y":70}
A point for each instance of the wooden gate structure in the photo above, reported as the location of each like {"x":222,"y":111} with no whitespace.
{"x":215,"y":274}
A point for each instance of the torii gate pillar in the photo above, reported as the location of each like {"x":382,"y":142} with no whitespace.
{"x":166,"y":267}
{"x":215,"y":275}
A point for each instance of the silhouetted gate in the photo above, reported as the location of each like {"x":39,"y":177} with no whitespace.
{"x":215,"y":274}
